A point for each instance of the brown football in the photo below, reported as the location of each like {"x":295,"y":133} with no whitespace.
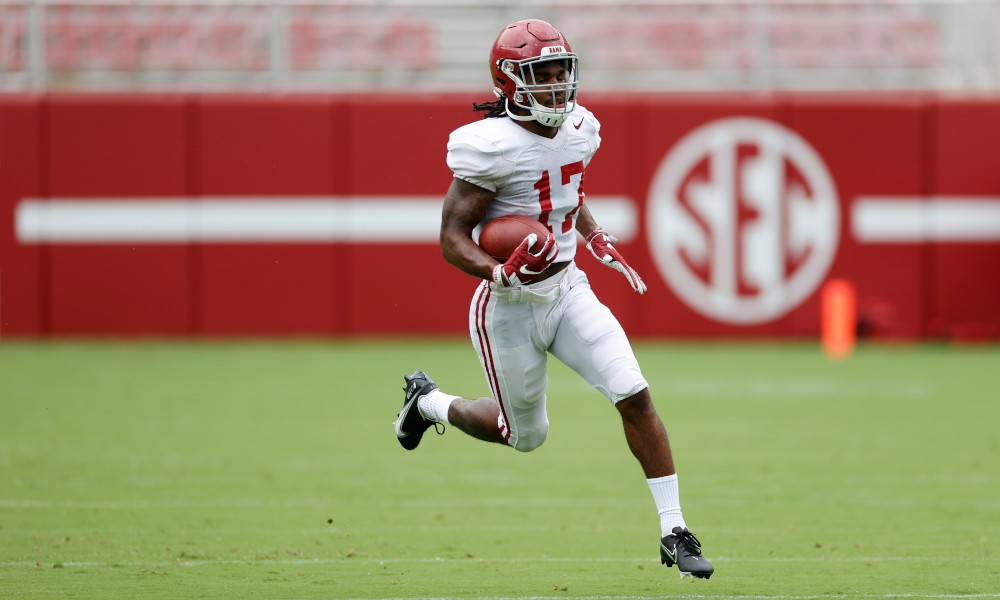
{"x":501,"y":236}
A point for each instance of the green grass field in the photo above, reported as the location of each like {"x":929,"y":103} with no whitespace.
{"x":270,"y":470}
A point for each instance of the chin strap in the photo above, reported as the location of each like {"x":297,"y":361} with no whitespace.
{"x":506,"y":105}
{"x":553,"y":120}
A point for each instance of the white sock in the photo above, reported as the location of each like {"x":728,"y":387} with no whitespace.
{"x":434,"y":406}
{"x":668,"y":502}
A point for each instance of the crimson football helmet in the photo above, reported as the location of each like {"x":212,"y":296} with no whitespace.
{"x":517,"y":51}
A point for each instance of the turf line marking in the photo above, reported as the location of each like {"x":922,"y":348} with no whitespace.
{"x":794,"y":388}
{"x":334,"y":503}
{"x":323,"y":503}
{"x":887,"y":596}
{"x":471,"y":561}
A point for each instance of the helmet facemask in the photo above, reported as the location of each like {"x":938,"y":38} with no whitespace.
{"x":522,"y":73}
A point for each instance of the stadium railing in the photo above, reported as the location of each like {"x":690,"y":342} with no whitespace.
{"x":422,"y":45}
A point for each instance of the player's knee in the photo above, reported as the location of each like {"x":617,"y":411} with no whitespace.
{"x":532,"y":438}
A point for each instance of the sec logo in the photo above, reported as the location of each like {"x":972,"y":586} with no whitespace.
{"x":743,"y":220}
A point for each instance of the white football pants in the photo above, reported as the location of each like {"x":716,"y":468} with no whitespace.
{"x":513,"y":329}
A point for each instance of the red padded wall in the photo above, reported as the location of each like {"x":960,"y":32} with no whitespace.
{"x":118,"y":147}
{"x":614,"y":172}
{"x":278,"y":147}
{"x":966,"y":145}
{"x":22,"y":267}
{"x":664,"y":122}
{"x":872,"y":146}
{"x":137,"y":148}
{"x":398,"y":148}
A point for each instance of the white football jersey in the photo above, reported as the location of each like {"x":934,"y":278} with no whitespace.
{"x":532,"y":175}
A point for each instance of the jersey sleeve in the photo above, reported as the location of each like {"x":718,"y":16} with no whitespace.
{"x":594,"y":137}
{"x":475,"y":159}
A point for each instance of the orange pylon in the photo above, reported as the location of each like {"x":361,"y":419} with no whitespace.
{"x":838,"y":321}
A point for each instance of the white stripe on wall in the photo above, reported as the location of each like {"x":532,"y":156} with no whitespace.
{"x":267,"y":219}
{"x":388,"y":219}
{"x":910,"y":219}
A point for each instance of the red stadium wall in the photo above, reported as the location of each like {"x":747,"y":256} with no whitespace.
{"x":316,"y":215}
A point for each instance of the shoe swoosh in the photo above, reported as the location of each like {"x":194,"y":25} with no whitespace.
{"x":401,"y":417}
{"x":398,"y":425}
{"x":671,"y":555}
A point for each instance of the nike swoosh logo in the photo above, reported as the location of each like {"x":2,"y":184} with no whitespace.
{"x":577,"y":125}
{"x":527,"y":271}
{"x":671,"y":555}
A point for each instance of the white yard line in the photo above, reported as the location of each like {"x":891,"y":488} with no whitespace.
{"x":436,"y":503}
{"x":471,"y":561}
{"x":324,"y":503}
{"x":795,"y":388}
{"x":357,"y":560}
{"x":888,"y":596}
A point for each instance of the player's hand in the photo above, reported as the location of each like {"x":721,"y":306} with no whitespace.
{"x":524,"y":266}
{"x":601,"y":245}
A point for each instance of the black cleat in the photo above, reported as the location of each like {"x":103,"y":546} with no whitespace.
{"x":681,"y":548}
{"x":410,"y":424}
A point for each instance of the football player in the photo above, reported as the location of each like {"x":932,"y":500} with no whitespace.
{"x":528,"y":157}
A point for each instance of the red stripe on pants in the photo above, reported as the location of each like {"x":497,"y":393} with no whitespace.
{"x":487,"y":350}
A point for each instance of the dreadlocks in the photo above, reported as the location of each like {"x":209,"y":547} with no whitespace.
{"x":493,"y":110}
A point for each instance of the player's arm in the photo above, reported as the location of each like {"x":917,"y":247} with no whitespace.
{"x":585,"y":222}
{"x":601,"y":245}
{"x":464,"y":207}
